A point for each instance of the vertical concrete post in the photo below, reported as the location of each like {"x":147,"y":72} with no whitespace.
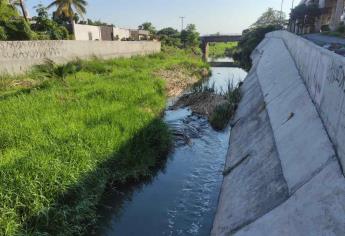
{"x":336,"y":14}
{"x":204,"y":48}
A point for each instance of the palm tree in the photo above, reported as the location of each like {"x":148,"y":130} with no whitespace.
{"x":21,"y":4}
{"x":67,"y":8}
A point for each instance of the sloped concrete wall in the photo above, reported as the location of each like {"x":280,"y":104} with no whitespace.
{"x":324,"y":75}
{"x":282,"y":175}
{"x":19,"y":56}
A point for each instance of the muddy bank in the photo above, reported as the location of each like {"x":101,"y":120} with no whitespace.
{"x":202,"y":103}
{"x":178,"y":78}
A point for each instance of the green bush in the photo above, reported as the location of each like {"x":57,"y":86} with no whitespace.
{"x":224,"y":112}
{"x":47,"y":28}
{"x":13,"y":26}
{"x":17,"y":29}
{"x":3,"y":35}
{"x":250,"y":40}
{"x":220,"y":117}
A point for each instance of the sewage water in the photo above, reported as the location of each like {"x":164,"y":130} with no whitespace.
{"x":181,"y":199}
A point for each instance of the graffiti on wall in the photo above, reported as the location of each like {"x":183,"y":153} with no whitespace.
{"x":336,"y":74}
{"x":30,"y":49}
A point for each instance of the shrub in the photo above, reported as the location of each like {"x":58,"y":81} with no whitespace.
{"x":3,"y":35}
{"x":250,"y":40}
{"x":17,"y":29}
{"x":13,"y":26}
{"x":220,"y":117}
{"x":224,"y":112}
{"x":47,"y":28}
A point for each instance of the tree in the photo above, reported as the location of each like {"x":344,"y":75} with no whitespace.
{"x":13,"y":27}
{"x":270,"y":17}
{"x":190,"y":36}
{"x":63,"y":20}
{"x":149,"y":27}
{"x":171,"y":32}
{"x":305,"y":14}
{"x":96,"y":23}
{"x":47,"y":28}
{"x":169,"y":37}
{"x":21,"y":5}
{"x":69,"y":8}
{"x":23,"y":8}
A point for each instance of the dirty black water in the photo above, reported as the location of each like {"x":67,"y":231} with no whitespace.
{"x":181,"y":199}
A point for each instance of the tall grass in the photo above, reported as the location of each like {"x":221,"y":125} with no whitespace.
{"x":67,"y":131}
{"x":217,"y":50}
{"x":223,"y":113}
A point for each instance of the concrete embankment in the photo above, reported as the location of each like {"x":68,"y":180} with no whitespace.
{"x":19,"y":56}
{"x":283,"y":172}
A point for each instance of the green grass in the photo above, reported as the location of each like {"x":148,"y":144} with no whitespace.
{"x":68,"y":131}
{"x":217,"y":50}
{"x":225,"y":112}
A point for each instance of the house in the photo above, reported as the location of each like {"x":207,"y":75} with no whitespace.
{"x":121,"y":34}
{"x":138,"y":35}
{"x":332,"y":14}
{"x":108,"y":33}
{"x":87,"y":32}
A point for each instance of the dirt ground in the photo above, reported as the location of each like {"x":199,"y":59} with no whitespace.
{"x":178,"y":79}
{"x":203,"y":103}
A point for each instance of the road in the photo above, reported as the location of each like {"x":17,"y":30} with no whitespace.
{"x":324,"y":39}
{"x":334,"y":44}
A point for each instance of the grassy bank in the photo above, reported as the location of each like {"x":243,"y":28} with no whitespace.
{"x":217,"y":50}
{"x":68,"y":131}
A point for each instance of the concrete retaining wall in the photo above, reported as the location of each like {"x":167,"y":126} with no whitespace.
{"x":283,"y":175}
{"x":324,"y":75}
{"x":19,"y":56}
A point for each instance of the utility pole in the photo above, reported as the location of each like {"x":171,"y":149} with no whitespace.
{"x":293,"y":1}
{"x":182,"y":22}
{"x":281,"y":11}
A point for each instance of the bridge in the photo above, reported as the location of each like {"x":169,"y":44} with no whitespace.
{"x":206,"y":39}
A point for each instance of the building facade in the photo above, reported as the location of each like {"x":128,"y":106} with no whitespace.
{"x":87,"y":32}
{"x":121,"y":34}
{"x":332,"y":15}
{"x":108,"y":33}
{"x":140,"y":35}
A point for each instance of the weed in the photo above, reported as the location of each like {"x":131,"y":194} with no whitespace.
{"x":224,"y":112}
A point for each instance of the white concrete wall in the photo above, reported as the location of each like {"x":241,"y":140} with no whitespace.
{"x":283,"y":176}
{"x":82,"y":32}
{"x":19,"y":56}
{"x":324,"y":75}
{"x":121,"y":33}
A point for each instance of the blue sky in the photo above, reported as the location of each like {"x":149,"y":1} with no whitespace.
{"x":210,"y":16}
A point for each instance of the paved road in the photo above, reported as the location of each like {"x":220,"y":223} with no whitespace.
{"x":334,"y":44}
{"x":324,"y":39}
